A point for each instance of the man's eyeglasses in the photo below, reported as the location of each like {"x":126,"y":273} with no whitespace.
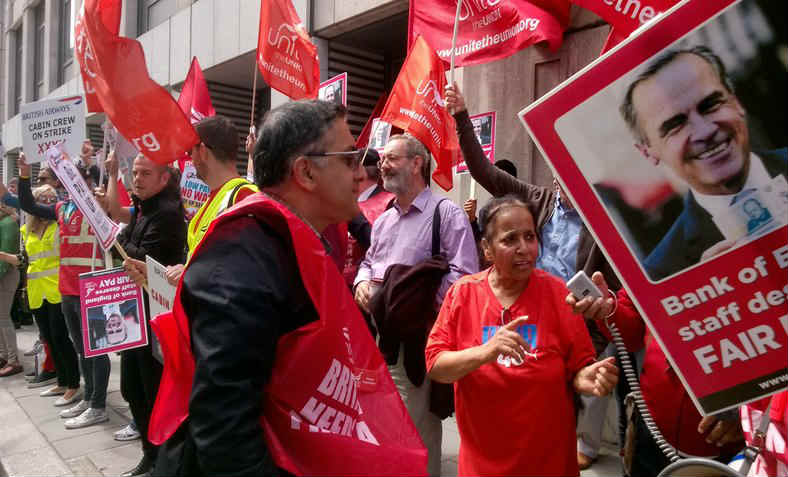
{"x":352,"y":158}
{"x":390,"y":158}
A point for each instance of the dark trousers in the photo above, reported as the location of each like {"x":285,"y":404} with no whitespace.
{"x":94,"y":370}
{"x":52,"y":326}
{"x":140,"y":375}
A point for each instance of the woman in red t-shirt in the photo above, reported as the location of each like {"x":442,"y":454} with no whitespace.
{"x":516,"y":354}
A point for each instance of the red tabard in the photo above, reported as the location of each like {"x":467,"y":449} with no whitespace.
{"x":331,"y":407}
{"x":77,"y":246}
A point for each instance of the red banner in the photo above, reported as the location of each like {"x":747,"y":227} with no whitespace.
{"x":416,"y":105}
{"x":110,"y":17}
{"x":286,"y":56}
{"x":624,"y":16}
{"x":488,"y":30}
{"x":140,"y":108}
{"x":194,"y":100}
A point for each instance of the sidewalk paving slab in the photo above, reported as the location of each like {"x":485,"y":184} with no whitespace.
{"x":34,"y":441}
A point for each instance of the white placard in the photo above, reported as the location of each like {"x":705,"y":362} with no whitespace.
{"x":51,"y":122}
{"x":162,"y":297}
{"x":105,"y":229}
{"x":161,"y":293}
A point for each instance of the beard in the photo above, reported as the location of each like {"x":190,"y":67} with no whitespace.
{"x":395,"y":182}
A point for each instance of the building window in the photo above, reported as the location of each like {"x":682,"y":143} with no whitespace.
{"x":38,"y":58}
{"x":17,"y":70}
{"x":154,"y":12}
{"x":65,"y":51}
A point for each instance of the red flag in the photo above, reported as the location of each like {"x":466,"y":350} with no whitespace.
{"x":195,"y":99}
{"x":416,"y":105}
{"x":286,"y":56}
{"x":141,"y":110}
{"x":110,"y":17}
{"x":363,"y":137}
{"x":487,"y":31}
{"x":624,"y":16}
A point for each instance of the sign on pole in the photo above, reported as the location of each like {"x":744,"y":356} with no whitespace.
{"x":484,"y":129}
{"x":52,"y":122}
{"x":105,"y":229}
{"x":653,"y":145}
{"x":334,"y":89}
{"x":113,"y":315}
{"x":194,"y":192}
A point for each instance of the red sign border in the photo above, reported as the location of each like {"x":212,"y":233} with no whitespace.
{"x":539,"y":120}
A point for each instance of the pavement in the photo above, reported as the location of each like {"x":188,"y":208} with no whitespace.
{"x":34,"y":442}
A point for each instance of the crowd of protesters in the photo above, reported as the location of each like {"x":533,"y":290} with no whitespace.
{"x":519,"y":349}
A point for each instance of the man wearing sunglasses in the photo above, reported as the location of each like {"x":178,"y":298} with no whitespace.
{"x":243,"y":290}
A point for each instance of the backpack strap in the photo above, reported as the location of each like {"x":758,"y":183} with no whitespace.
{"x":436,"y":229}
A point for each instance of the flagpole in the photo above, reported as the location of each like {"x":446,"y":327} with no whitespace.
{"x":472,"y":191}
{"x":249,"y":164}
{"x":254,"y":95}
{"x":454,"y":41}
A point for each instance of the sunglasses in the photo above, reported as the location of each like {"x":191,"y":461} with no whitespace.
{"x":352,"y":158}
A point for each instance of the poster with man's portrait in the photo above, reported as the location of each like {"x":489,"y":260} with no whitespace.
{"x":381,"y":131}
{"x":334,"y":89}
{"x":484,"y":129}
{"x":672,"y":150}
{"x":113,"y":315}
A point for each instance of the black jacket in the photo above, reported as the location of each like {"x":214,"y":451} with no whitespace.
{"x":157,"y":228}
{"x":241,"y":292}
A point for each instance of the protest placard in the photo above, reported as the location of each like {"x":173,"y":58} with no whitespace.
{"x":381,"y":131}
{"x":105,"y":229}
{"x":484,"y":128}
{"x":51,"y":122}
{"x":125,"y":153}
{"x":334,"y":89}
{"x":712,"y":290}
{"x":194,"y":192}
{"x":162,"y":297}
{"x":113,"y":314}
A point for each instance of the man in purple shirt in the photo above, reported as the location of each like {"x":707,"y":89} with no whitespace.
{"x":403,"y":235}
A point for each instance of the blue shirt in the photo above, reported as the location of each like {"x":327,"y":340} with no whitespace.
{"x":559,"y":240}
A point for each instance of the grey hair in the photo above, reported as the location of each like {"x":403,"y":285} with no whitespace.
{"x":288,"y":131}
{"x":627,"y":108}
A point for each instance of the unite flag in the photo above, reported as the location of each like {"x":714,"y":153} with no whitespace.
{"x":194,"y":100}
{"x":286,"y":56}
{"x":109,"y":11}
{"x":488,"y":30}
{"x":141,"y":110}
{"x":416,"y":105}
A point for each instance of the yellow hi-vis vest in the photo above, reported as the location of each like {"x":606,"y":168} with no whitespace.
{"x":42,"y":270}
{"x":223,"y":199}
